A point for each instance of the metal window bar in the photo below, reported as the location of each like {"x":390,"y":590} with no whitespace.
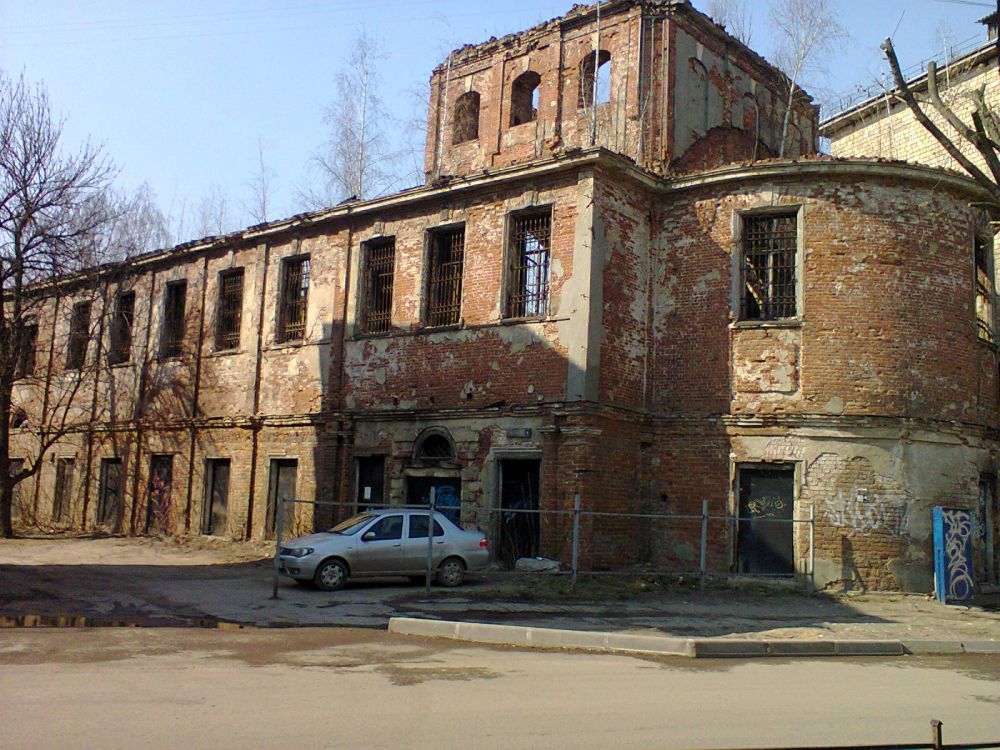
{"x":768,"y":267}
{"x":444,"y":299}
{"x":230,"y":310}
{"x":79,"y":336}
{"x":528,"y":284}
{"x":172,"y":344}
{"x":121,"y":329}
{"x":294,"y":295}
{"x":378,"y":292}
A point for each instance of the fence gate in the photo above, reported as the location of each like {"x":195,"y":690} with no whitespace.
{"x":764,"y":542}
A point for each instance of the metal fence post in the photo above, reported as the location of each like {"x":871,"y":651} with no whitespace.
{"x":703,"y":567}
{"x":277,"y":545}
{"x":430,"y":542}
{"x":812,"y":548}
{"x":576,"y":537}
{"x":936,"y":734}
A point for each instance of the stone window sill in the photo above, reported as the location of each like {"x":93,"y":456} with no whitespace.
{"x":790,"y":323}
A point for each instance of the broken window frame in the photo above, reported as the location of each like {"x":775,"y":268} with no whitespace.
{"x":528,"y":265}
{"x":985,"y":288}
{"x":769,"y":269}
{"x":229,"y":310}
{"x":293,"y":304}
{"x":79,"y":335}
{"x":445,"y":271}
{"x":465,"y":118}
{"x":379,"y":276}
{"x":173,"y":325}
{"x":588,"y":71}
{"x":120,"y":341}
{"x":28,"y":353}
{"x":524,"y":98}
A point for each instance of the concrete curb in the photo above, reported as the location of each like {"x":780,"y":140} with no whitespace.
{"x":698,"y":648}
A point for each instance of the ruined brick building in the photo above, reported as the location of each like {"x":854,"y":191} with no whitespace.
{"x":606,"y":286}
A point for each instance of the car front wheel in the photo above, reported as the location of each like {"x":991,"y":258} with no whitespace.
{"x":331,"y":575}
{"x":451,"y":573}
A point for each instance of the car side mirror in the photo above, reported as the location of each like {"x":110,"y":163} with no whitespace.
{"x":368,"y":536}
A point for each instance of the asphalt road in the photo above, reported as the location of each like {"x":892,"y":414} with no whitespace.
{"x":343,"y":688}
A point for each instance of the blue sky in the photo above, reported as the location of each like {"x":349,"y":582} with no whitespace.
{"x":180,"y":92}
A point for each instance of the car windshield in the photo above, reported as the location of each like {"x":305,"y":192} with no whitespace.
{"x":353,"y":524}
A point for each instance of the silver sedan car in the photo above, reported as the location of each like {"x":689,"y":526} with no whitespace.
{"x":380,"y":543}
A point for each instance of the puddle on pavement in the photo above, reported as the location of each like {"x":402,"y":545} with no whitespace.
{"x":79,"y":621}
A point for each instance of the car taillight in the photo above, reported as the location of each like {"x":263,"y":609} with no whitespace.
{"x":483,"y":542}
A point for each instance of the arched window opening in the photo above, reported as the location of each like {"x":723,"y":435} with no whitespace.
{"x":434,"y":445}
{"x":465,"y":124}
{"x":595,"y":65}
{"x":524,"y":98}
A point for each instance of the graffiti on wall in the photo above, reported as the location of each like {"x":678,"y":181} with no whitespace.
{"x":861,"y":512}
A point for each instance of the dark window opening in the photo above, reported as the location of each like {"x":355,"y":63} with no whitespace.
{"x":465,"y":122}
{"x":519,"y":531}
{"x":159,"y":494}
{"x":595,"y":68}
{"x":215,"y":512}
{"x":765,"y":539}
{"x":229,"y":310}
{"x":371,"y":481}
{"x":27,"y":353}
{"x":109,"y":495}
{"x":989,"y":529}
{"x":528,"y":269}
{"x":79,"y":336}
{"x":121,"y":329}
{"x":62,"y":496}
{"x":524,"y":98}
{"x":447,"y":260}
{"x":435,"y":447}
{"x":294,"y":297}
{"x":984,"y":289}
{"x":172,"y":332}
{"x":768,"y":255}
{"x":380,"y":261}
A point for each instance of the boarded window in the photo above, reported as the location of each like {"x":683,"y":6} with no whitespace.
{"x":121,"y":329}
{"x":984,"y":289}
{"x":172,"y":333}
{"x":79,"y":336}
{"x":768,"y":255}
{"x":524,"y":98}
{"x":229,"y":310}
{"x":444,"y":292}
{"x":109,"y":496}
{"x":294,"y":296}
{"x":380,"y":266}
{"x":27,"y":353}
{"x":528,"y":264}
{"x":595,"y":73}
{"x":465,"y":121}
{"x":62,"y":497}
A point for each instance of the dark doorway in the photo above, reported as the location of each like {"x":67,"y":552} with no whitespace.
{"x":764,"y":542}
{"x":215,"y":514}
{"x":62,"y":498}
{"x":161,"y":480}
{"x":518,"y":532}
{"x":989,"y":514}
{"x":281,"y":487}
{"x":371,"y":481}
{"x":109,"y":500}
{"x":447,"y":494}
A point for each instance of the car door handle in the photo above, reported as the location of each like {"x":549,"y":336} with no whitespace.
{"x":440,"y":541}
{"x":398,"y":544}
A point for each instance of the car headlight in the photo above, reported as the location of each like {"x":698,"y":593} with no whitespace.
{"x":298,"y":551}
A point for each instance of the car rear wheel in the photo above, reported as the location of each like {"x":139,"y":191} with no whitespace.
{"x":451,"y":572}
{"x":331,"y":575}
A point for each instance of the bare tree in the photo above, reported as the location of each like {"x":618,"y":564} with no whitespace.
{"x":807,"y":35}
{"x":356,"y":160}
{"x":214,"y":216}
{"x":261,"y":187}
{"x":53,"y":212}
{"x":735,"y":16}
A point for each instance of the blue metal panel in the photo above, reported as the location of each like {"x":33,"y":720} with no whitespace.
{"x":953,"y":531}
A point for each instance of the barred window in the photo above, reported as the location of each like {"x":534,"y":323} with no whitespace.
{"x":26,"y":354}
{"x":120,"y":349}
{"x":984,"y":289}
{"x":528,"y":264}
{"x":380,"y":265}
{"x":172,"y":330}
{"x":79,"y":336}
{"x":294,"y":296}
{"x":769,"y":246}
{"x":229,"y":310}
{"x":444,"y":292}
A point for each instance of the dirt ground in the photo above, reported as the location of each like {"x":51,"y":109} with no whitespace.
{"x":199,"y":581}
